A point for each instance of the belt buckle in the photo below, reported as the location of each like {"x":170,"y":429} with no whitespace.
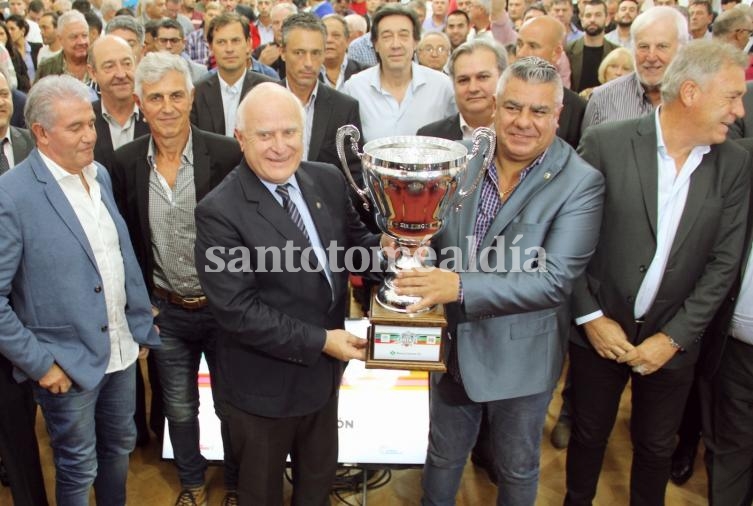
{"x":193,"y":300}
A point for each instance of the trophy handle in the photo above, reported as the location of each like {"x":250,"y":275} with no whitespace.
{"x":352,"y":132}
{"x":491,"y":139}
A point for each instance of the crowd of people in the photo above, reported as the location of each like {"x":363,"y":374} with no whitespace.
{"x":144,"y":145}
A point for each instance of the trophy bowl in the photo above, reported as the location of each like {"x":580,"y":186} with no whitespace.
{"x":412,"y":182}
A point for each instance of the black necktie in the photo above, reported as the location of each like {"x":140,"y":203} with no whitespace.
{"x":291,"y":209}
{"x":4,"y":164}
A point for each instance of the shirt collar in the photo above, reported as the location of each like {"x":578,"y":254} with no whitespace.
{"x":661,"y":147}
{"x":186,"y":157}
{"x":106,"y":114}
{"x":272,"y":187}
{"x":466,"y":128}
{"x":59,"y":173}
{"x":312,"y":97}
{"x":233,"y":88}
{"x":418,"y":76}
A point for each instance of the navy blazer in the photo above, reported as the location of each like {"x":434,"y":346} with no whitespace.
{"x":49,"y":274}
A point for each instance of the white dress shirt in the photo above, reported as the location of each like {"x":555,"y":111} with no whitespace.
{"x":105,"y":244}
{"x":672,"y":194}
{"x":121,"y":134}
{"x":309,"y":108}
{"x":231,"y":98}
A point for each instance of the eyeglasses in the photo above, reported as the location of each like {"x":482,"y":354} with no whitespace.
{"x":162,"y":41}
{"x":432,"y":49}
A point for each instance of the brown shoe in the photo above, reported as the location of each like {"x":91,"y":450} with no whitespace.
{"x":196,"y":496}
{"x":230,"y":499}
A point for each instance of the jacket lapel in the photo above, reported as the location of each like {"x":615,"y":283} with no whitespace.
{"x":322,"y":112}
{"x":61,"y":205}
{"x":319,"y":211}
{"x":644,"y":151}
{"x":214,"y":104}
{"x":201,"y":164}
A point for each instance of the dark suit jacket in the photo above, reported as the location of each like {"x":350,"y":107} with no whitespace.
{"x":19,"y":102}
{"x":21,"y":142}
{"x":207,"y":112}
{"x":35,"y":47}
{"x":103,"y":150}
{"x":574,"y":53}
{"x":712,"y":347}
{"x":568,"y":130}
{"x":447,"y":128}
{"x":213,"y":157}
{"x":274,"y":322}
{"x":706,"y":251}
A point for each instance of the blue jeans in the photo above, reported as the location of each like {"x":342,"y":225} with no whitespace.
{"x":515,"y":428}
{"x":185,"y":336}
{"x":92,"y":434}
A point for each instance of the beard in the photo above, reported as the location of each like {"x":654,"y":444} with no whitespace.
{"x":624,"y":24}
{"x":593,"y":30}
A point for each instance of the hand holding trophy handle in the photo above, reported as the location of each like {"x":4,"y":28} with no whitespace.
{"x":479,"y":134}
{"x":352,"y":132}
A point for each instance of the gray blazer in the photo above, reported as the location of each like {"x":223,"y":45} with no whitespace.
{"x":21,"y":143}
{"x":707,"y":247}
{"x":49,"y":273}
{"x":511,"y":328}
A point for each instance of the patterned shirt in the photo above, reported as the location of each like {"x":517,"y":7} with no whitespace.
{"x":362,"y":51}
{"x":171,"y":221}
{"x":197,"y":47}
{"x":622,"y":98}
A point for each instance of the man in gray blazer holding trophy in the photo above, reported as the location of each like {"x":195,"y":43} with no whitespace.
{"x":525,"y":234}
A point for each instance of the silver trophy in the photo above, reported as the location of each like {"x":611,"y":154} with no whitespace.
{"x":412,"y":182}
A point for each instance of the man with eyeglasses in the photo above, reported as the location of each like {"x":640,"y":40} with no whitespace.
{"x":170,"y":38}
{"x":434,"y":51}
{"x":398,"y":96}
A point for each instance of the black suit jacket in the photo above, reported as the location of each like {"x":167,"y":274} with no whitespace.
{"x":207,"y":112}
{"x":22,"y":144}
{"x":574,"y":107}
{"x":716,"y":337}
{"x":704,"y":255}
{"x":214,"y":156}
{"x":274,"y":321}
{"x":447,"y":128}
{"x":571,"y":117}
{"x":103,"y":150}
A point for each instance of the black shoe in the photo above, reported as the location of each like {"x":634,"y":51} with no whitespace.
{"x":683,"y":461}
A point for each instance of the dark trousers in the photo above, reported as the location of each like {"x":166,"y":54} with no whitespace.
{"x":261,"y":445}
{"x":19,"y":450}
{"x":690,"y":427}
{"x":156,"y":414}
{"x":727,"y":403}
{"x":658,"y":402}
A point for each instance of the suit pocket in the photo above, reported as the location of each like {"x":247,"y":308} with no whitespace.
{"x":54,"y":335}
{"x":544,"y":325}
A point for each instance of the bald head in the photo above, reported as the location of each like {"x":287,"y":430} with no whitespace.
{"x":267,"y":97}
{"x":542,"y":36}
{"x":105,"y":46}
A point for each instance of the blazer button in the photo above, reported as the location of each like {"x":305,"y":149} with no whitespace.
{"x":103,"y":328}
{"x":97,"y":289}
{"x":642,"y":268}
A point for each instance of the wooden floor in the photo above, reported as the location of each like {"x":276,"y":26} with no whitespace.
{"x":152,"y":482}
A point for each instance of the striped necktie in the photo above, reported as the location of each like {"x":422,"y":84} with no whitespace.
{"x":291,"y":209}
{"x":4,"y":163}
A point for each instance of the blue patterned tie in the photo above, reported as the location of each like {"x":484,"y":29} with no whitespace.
{"x":292,"y":210}
{"x":4,"y":164}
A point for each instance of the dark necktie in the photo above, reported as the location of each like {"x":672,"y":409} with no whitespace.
{"x":291,"y":209}
{"x":4,"y":164}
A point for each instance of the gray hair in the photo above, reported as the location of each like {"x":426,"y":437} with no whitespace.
{"x":155,"y":66}
{"x":337,"y":17}
{"x":240,"y":119}
{"x":729,"y":21}
{"x":51,"y":90}
{"x":126,"y":23}
{"x":69,"y":18}
{"x":356,"y":23}
{"x":699,"y":61}
{"x":500,"y":55}
{"x":485,"y":4}
{"x":302,"y":21}
{"x":443,"y":35}
{"x":534,"y":70}
{"x":291,"y":8}
{"x":659,"y":13}
{"x":109,"y":6}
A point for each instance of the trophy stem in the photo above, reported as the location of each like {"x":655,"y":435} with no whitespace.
{"x":386,"y":295}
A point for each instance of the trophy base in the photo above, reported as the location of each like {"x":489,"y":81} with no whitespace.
{"x":398,"y":340}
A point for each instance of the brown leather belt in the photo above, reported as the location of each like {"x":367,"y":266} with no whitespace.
{"x":190,"y":303}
